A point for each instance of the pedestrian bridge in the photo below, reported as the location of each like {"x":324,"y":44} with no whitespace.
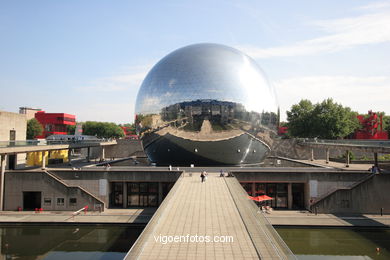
{"x":195,"y":217}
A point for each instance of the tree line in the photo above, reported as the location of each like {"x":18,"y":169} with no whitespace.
{"x":324,"y":120}
{"x":98,"y":129}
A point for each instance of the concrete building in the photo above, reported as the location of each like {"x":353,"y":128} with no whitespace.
{"x":29,"y":112}
{"x":13,"y":128}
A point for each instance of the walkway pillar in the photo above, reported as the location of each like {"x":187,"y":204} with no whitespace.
{"x":70,"y":156}
{"x":289,"y":196}
{"x":327,"y":155}
{"x":102,"y":156}
{"x":88,"y":154}
{"x":44,"y":156}
{"x":124,"y":195}
{"x":3,"y":160}
{"x":312,"y":155}
{"x":160,"y":193}
{"x":347,"y":159}
{"x":376,"y":160}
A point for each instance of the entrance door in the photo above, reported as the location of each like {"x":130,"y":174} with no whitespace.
{"x":31,"y":200}
{"x":116,"y":195}
{"x":298,"y":196}
{"x":11,"y":161}
{"x":12,"y":137}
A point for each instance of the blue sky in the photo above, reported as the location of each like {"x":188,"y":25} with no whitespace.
{"x":89,"y":58}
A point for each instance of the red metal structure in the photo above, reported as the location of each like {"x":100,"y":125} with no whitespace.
{"x":372,"y":127}
{"x":54,"y":123}
{"x":129,"y":132}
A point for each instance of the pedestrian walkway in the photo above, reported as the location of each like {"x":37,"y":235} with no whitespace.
{"x":194,"y":209}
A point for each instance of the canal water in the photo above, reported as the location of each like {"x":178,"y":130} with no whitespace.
{"x":67,"y":242}
{"x":337,"y":243}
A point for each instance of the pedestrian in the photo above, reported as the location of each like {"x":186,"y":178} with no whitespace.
{"x":205,"y":176}
{"x":202,"y":176}
{"x":222,"y":174}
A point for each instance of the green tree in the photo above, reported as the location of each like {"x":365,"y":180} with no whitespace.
{"x":300,"y":119}
{"x":102,"y":129}
{"x":70,"y":129}
{"x":34,"y":128}
{"x":386,"y":124}
{"x":326,"y":120}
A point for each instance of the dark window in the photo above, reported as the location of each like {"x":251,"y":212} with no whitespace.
{"x":73,"y":201}
{"x":60,"y":201}
{"x":47,"y":201}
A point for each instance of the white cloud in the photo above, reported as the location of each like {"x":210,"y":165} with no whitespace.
{"x":369,"y":28}
{"x":359,"y":93}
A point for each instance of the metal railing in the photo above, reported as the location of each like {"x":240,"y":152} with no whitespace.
{"x":21,"y":143}
{"x":369,"y":143}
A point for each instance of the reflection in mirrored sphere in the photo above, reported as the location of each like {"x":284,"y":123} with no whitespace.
{"x":206,"y":104}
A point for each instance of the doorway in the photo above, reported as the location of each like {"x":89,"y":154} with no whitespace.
{"x":298,"y":201}
{"x":31,"y":200}
{"x":11,"y":161}
{"x":116,"y":195}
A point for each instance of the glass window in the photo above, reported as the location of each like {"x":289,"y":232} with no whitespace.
{"x":143,"y":187}
{"x":247,"y":187}
{"x":47,"y":201}
{"x":72,"y":201}
{"x":60,"y":201}
{"x":260,"y":189}
{"x":153,"y":187}
{"x":133,"y":200}
{"x":153,"y":200}
{"x":133,"y":187}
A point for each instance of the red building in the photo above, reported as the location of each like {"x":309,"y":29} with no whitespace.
{"x":372,"y":127}
{"x":54,"y":123}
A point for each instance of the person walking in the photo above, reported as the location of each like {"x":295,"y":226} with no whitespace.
{"x":202,"y":177}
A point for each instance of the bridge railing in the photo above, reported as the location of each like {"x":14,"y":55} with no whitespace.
{"x":371,"y":143}
{"x":21,"y":143}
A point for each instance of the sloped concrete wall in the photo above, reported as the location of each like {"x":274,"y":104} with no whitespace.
{"x":367,"y":197}
{"x":125,"y":148}
{"x":18,"y":182}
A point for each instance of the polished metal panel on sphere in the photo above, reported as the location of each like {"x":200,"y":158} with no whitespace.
{"x":205,"y":96}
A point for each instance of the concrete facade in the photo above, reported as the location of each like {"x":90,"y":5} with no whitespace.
{"x":13,"y":126}
{"x":317,"y":183}
{"x":51,"y":189}
{"x":368,"y":196}
{"x":89,"y":187}
{"x":125,"y":148}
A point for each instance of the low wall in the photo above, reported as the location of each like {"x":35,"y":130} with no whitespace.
{"x":125,"y":148}
{"x":291,"y":149}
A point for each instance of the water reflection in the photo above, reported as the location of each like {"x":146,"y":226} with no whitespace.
{"x":337,"y":243}
{"x":67,"y":242}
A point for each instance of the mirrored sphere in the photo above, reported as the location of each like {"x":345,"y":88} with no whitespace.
{"x":206,"y":104}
